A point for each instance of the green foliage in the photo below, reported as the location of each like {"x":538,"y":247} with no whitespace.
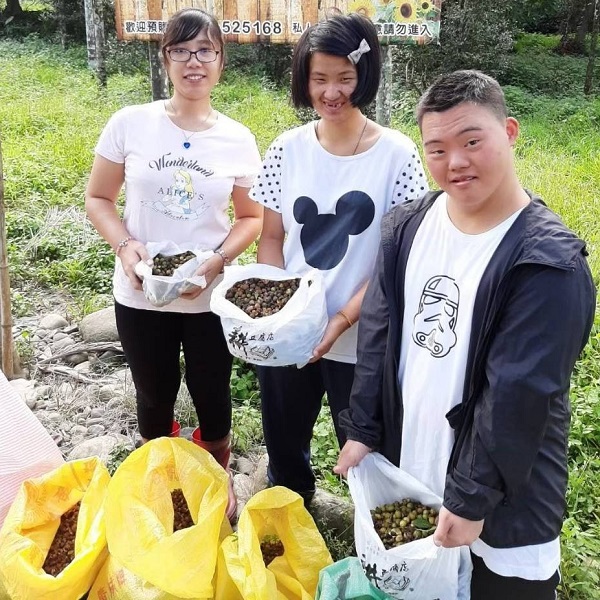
{"x":324,"y":451}
{"x":117,"y":455}
{"x":244,"y":384}
{"x":543,"y":16}
{"x":247,"y":427}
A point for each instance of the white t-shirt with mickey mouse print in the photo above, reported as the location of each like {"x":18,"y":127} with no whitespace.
{"x":332,"y":206}
{"x":175,"y":193}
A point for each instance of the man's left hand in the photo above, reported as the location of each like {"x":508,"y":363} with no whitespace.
{"x":453,"y":531}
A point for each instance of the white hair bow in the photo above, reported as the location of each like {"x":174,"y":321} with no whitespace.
{"x":363,"y":48}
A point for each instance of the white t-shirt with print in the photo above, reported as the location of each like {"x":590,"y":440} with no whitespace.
{"x":443,"y":273}
{"x":332,"y":206}
{"x":175,"y":193}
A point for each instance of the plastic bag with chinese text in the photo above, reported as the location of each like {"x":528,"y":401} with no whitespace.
{"x":418,"y":570}
{"x":285,"y":338}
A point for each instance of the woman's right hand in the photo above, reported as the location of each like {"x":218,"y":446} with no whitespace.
{"x":352,"y":453}
{"x":130,"y":255}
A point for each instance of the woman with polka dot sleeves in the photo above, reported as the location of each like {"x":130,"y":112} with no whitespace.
{"x":326,"y":186}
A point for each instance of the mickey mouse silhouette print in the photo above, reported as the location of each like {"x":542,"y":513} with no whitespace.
{"x":325,"y":237}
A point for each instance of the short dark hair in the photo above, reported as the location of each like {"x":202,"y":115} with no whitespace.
{"x":451,"y":89}
{"x":338,"y":35}
{"x":186,"y":24}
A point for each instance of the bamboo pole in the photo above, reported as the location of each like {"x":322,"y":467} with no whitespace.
{"x":5,"y":308}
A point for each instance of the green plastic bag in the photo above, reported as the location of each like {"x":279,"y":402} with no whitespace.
{"x":346,"y":580}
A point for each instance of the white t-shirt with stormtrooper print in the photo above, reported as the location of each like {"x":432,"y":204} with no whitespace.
{"x":176,"y":193}
{"x":443,"y":273}
{"x":332,"y":206}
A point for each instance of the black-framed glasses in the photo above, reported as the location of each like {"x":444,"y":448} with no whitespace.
{"x":204,"y":55}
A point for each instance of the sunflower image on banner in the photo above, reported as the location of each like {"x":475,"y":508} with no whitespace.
{"x":416,"y":21}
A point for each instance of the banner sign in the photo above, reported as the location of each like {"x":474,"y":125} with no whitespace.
{"x":283,"y":21}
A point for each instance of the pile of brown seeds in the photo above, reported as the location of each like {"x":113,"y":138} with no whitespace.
{"x":261,"y":297}
{"x":165,"y":265}
{"x":182,"y":517}
{"x":271,"y":547}
{"x":403,"y":521}
{"x":62,"y":549}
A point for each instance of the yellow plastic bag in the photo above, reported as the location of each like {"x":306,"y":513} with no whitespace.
{"x":148,"y":560}
{"x":32,"y":522}
{"x":241,"y":571}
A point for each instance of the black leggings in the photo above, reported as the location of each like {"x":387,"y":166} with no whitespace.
{"x":487,"y":585}
{"x":152,"y":341}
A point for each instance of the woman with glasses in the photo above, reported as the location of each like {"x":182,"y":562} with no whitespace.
{"x":180,"y":161}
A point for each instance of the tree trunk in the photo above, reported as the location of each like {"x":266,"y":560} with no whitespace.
{"x":589,"y":74}
{"x":383,"y":101}
{"x":8,"y":366}
{"x":12,"y":9}
{"x":585,"y":24}
{"x":158,"y":73}
{"x":96,"y":48}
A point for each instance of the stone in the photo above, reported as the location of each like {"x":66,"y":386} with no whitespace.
{"x":260,"y":481}
{"x":79,"y":430}
{"x":81,"y":367}
{"x":53,"y":321}
{"x":77,"y":359}
{"x":97,"y":412}
{"x":244,"y":465}
{"x":58,"y":439}
{"x":333,"y":513}
{"x":95,"y":421}
{"x":114,"y":403}
{"x":53,"y":417}
{"x":186,"y":432}
{"x":99,"y":326}
{"x":96,"y":430}
{"x":107,"y":393}
{"x":100,"y":446}
{"x":59,"y":335}
{"x":242,"y":487}
{"x":63,"y":344}
{"x":43,"y":391}
{"x":26,"y":390}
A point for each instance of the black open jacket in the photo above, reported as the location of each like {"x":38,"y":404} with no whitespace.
{"x":532,"y":315}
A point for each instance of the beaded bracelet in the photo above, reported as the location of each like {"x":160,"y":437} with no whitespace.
{"x":343,"y":314}
{"x":122,"y":244}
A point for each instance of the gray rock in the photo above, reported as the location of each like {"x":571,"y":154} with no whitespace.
{"x":58,"y":439}
{"x":97,"y":412}
{"x":63,"y":343}
{"x":53,"y":417}
{"x":96,"y":430}
{"x":81,"y":421}
{"x":99,"y":446}
{"x":242,"y":486}
{"x":53,"y":321}
{"x":82,"y":366}
{"x":79,"y":430}
{"x":114,"y":403}
{"x":86,"y":411}
{"x":43,"y":391}
{"x":244,"y":465}
{"x":59,"y":335}
{"x":107,"y":393}
{"x":333,"y":513}
{"x":186,"y":432}
{"x":100,"y":326}
{"x":260,"y":480}
{"x":95,"y":421}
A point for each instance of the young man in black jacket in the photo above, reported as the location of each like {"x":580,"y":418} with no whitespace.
{"x":480,"y":304}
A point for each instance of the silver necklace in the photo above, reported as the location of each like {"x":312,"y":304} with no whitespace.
{"x":187,"y":137}
{"x":359,"y":139}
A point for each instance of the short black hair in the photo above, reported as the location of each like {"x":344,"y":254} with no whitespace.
{"x":452,"y":89}
{"x":186,"y":24}
{"x":338,"y":36}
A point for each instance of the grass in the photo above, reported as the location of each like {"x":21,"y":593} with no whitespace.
{"x":51,"y":113}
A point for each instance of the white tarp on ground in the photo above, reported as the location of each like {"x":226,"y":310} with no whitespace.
{"x":26,"y":448}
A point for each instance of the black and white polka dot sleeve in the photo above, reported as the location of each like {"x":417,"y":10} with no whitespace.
{"x":411,"y":181}
{"x":267,"y":185}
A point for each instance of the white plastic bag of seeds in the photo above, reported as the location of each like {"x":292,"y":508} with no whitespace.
{"x":287,"y":337}
{"x":160,"y":289}
{"x":417,"y":570}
